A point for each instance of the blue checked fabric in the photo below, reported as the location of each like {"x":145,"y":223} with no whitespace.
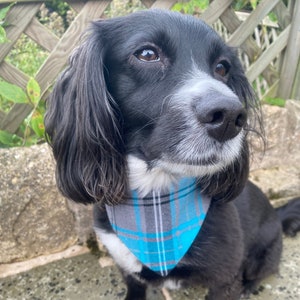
{"x":159,"y":229}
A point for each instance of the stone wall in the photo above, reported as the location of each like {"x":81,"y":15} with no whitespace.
{"x":35,"y":219}
{"x":277,"y":170}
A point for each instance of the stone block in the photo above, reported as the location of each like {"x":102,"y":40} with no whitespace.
{"x":34,"y":218}
{"x":277,"y":169}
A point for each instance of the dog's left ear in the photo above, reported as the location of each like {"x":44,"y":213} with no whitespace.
{"x":84,"y":127}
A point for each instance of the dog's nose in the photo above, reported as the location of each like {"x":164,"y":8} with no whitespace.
{"x":223,"y":117}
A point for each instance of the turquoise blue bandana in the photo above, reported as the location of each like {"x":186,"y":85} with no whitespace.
{"x":159,"y":229}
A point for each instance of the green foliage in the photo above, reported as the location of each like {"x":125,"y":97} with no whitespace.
{"x":36,"y":119}
{"x":3,"y":13}
{"x":246,"y":4}
{"x":3,"y":38}
{"x":123,"y":7}
{"x":61,"y":8}
{"x":9,"y":140}
{"x":32,"y":130}
{"x":191,"y":7}
{"x":274,"y":101}
{"x":273,"y":17}
{"x":12,"y":93}
{"x":27,"y":56}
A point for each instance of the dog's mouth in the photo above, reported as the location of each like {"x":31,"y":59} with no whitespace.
{"x":208,"y":161}
{"x":189,"y":159}
{"x":185,"y":160}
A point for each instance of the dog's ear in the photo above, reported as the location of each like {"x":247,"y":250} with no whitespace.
{"x":84,"y":127}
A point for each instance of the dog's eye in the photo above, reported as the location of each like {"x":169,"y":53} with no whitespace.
{"x":222,"y":68}
{"x":147,"y":55}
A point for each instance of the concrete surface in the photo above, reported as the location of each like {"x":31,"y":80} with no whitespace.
{"x":82,"y":277}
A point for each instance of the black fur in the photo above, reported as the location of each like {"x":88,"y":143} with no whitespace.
{"x":289,"y":214}
{"x":109,"y":103}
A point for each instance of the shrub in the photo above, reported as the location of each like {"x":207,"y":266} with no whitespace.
{"x":32,"y":129}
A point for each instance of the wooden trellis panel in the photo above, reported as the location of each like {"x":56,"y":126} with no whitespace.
{"x":271,"y":65}
{"x":21,"y":18}
{"x":290,"y":63}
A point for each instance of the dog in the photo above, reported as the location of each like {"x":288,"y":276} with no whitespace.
{"x":152,"y":102}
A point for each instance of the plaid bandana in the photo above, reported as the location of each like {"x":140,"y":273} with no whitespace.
{"x":159,"y":229}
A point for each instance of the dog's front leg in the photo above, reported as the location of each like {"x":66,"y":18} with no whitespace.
{"x":136,"y":290}
{"x":230,"y":291}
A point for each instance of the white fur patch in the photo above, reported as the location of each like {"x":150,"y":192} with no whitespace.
{"x":145,"y":180}
{"x":119,"y":252}
{"x":172,"y":284}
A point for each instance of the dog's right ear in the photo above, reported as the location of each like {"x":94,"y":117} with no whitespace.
{"x":84,"y":127}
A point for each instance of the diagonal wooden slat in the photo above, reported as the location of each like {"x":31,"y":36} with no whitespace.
{"x":292,"y":56}
{"x":283,"y":14}
{"x":232,"y":22}
{"x":13,"y":75}
{"x":215,"y":10}
{"x":265,"y":59}
{"x":148,"y":3}
{"x":15,"y":117}
{"x":2,"y":116}
{"x":296,"y":88}
{"x":77,"y":6}
{"x":41,"y":35}
{"x":247,"y":27}
{"x":58,"y":57}
{"x":163,"y":4}
{"x":17,"y":19}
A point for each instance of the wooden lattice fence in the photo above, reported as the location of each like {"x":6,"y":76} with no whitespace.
{"x":270,"y":52}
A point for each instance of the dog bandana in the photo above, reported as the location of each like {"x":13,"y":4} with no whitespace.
{"x":159,"y":229}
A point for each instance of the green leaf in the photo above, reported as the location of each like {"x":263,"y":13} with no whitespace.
{"x":36,"y":122}
{"x":4,"y":11}
{"x":253,"y":3}
{"x":8,"y":140}
{"x":275,"y":101}
{"x":273,"y":17}
{"x":190,"y":7}
{"x":31,"y":140}
{"x":3,"y":38}
{"x":12,"y":93}
{"x":33,"y":91}
{"x":240,"y":4}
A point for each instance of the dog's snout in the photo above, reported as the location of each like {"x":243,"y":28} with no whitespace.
{"x":222,"y":117}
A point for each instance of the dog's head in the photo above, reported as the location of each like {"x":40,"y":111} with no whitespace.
{"x":148,"y":98}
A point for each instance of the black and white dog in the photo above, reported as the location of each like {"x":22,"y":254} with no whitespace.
{"x":149,"y":99}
